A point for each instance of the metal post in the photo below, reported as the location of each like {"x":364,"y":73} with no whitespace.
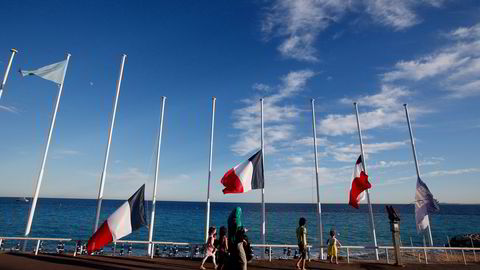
{"x":212,"y":126}
{"x":269,"y":253}
{"x":44,"y":160}
{"x":386,"y":253}
{"x":319,"y":206}
{"x":157,"y":165}
{"x":429,"y":233}
{"x":263,"y":162}
{"x":471,"y":240}
{"x":75,"y":251}
{"x":464,"y":259}
{"x":448,"y":241}
{"x":114,"y":248}
{"x":38,"y":246}
{"x":372,"y":223}
{"x":107,"y":151}
{"x":425,"y":251}
{"x":9,"y":65}
{"x":153,"y":248}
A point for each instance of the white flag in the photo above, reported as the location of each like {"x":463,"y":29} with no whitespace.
{"x":424,"y":204}
{"x":53,"y":72}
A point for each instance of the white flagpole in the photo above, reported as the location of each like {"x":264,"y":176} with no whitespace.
{"x":107,"y":152}
{"x":319,"y":206}
{"x":45,"y":154}
{"x":372,"y":223}
{"x":14,"y":51}
{"x":207,"y":216}
{"x":414,"y":150}
{"x":154,"y":196}
{"x":263,"y":162}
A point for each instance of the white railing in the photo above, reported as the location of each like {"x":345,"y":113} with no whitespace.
{"x":347,"y":249}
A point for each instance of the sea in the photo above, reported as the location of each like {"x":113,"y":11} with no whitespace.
{"x":185,"y":221}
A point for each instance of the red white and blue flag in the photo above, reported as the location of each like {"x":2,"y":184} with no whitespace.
{"x":245,"y":176}
{"x":359,"y":184}
{"x":126,"y":219}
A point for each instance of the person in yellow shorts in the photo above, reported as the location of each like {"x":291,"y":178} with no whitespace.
{"x":302,"y":242}
{"x":333,"y":245}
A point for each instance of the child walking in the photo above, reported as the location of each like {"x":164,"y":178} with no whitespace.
{"x":333,"y":245}
{"x":210,"y":247}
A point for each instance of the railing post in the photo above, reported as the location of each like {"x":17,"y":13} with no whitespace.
{"x":386,"y":253}
{"x":114,"y":248}
{"x":471,"y":240}
{"x":308,"y":248}
{"x":464,"y":260}
{"x":38,"y":246}
{"x":348,"y":255}
{"x":75,"y":251}
{"x":425,"y":252}
{"x":269,"y":253}
{"x":152,"y":251}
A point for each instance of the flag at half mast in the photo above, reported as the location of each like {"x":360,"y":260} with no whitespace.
{"x":53,"y":72}
{"x":424,"y":204}
{"x":245,"y":176}
{"x":359,"y":184}
{"x":126,"y":219}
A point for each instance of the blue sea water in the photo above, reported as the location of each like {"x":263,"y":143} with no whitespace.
{"x":184,"y":221}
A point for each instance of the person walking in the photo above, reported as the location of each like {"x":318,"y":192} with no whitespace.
{"x":333,"y":245}
{"x":302,"y":242}
{"x":210,"y":247}
{"x":222,"y":248}
{"x":241,"y":254}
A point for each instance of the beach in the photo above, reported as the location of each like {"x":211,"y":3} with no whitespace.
{"x":13,"y":261}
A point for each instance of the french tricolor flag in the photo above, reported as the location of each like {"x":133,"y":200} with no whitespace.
{"x":359,"y":184}
{"x":126,"y":219}
{"x":245,"y":176}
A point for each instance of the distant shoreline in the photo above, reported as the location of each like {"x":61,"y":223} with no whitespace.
{"x":229,"y":202}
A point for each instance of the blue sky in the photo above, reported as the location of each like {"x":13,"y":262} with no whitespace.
{"x":379,"y":53}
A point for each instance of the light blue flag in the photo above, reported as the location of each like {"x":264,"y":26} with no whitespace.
{"x":53,"y":72}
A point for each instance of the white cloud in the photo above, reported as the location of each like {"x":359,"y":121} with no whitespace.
{"x":388,"y":97}
{"x":472,"y":32}
{"x":278,"y":116}
{"x":350,"y":152}
{"x":336,"y":124}
{"x":387,"y":111}
{"x":261,"y":87}
{"x":431,"y":175}
{"x":10,"y":109}
{"x":456,"y":66}
{"x":299,"y":22}
{"x":393,"y":13}
{"x":63,"y":153}
{"x":68,"y":152}
{"x":130,"y":175}
{"x":397,"y":163}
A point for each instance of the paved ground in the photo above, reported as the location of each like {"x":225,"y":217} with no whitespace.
{"x":18,"y":261}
